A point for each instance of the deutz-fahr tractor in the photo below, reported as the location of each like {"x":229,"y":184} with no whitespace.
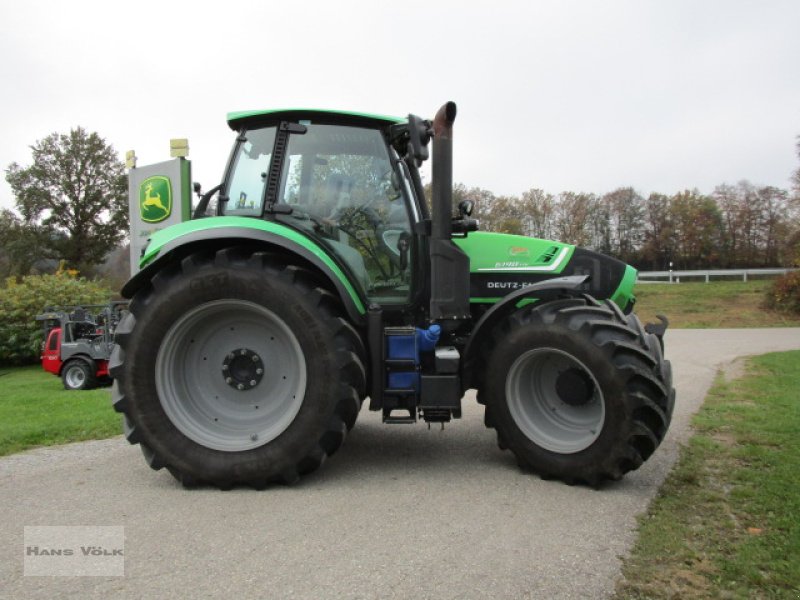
{"x":78,"y":341}
{"x":322,"y":277}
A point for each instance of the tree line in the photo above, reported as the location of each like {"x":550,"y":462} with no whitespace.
{"x":72,"y":206}
{"x":736,"y":226}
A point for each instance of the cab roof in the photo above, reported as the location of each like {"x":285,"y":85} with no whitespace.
{"x":245,"y":117}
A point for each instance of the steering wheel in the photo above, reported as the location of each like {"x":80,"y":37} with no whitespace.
{"x":347,"y":216}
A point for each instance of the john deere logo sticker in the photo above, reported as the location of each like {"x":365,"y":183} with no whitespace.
{"x":155,"y":199}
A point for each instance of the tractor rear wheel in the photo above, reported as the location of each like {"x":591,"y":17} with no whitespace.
{"x":577,"y":390}
{"x":235,"y":367}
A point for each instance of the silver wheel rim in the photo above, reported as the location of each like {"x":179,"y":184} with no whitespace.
{"x":195,"y":362}
{"x":75,"y":377}
{"x":538,"y":409}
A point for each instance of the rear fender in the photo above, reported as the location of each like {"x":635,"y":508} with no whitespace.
{"x":318,"y":258}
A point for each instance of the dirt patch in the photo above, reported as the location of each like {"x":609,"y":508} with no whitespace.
{"x":669,"y":583}
{"x":734,"y":369}
{"x":725,"y":438}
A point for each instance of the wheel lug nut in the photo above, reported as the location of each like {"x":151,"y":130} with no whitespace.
{"x":243,"y":352}
{"x":231,"y":356}
{"x":255,"y":357}
{"x":228,"y":380}
{"x":259,"y":371}
{"x":224,"y":367}
{"x":253,"y":382}
{"x":240,"y":387}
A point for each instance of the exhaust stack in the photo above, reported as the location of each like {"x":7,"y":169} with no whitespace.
{"x":442,"y":171}
{"x":449,"y":265}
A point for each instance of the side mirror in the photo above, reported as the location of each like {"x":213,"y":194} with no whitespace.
{"x":419,"y":131}
{"x":200,"y":209}
{"x":462,"y":224}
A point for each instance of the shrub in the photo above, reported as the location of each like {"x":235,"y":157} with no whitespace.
{"x":20,"y":302}
{"x":784,"y":293}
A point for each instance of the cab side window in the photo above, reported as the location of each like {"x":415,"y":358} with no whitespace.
{"x":248,"y":179}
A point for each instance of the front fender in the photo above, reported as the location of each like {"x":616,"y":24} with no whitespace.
{"x":542,"y":290}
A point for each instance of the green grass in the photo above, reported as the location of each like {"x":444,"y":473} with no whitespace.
{"x":36,"y":410}
{"x":715,"y":304}
{"x":726,"y":523}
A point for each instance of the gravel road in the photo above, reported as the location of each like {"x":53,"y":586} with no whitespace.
{"x":399,"y":512}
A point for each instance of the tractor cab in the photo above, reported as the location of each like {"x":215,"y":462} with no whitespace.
{"x":336,"y":179}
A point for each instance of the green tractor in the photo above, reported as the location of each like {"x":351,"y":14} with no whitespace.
{"x":323,"y":277}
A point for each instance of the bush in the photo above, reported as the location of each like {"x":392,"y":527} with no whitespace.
{"x":784,"y":293}
{"x":20,"y":334}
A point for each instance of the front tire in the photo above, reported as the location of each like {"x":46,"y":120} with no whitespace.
{"x":78,"y":374}
{"x":235,"y":367}
{"x":577,"y":390}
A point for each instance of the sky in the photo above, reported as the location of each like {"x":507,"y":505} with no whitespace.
{"x":558,"y":95}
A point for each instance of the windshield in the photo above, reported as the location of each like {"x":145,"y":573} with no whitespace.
{"x":341,"y":186}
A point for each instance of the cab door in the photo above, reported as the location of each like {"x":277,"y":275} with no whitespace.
{"x":345,"y":192}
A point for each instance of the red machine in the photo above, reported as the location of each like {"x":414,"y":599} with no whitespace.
{"x":78,"y":343}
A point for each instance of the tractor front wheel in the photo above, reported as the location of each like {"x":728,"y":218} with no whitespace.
{"x":577,"y":390}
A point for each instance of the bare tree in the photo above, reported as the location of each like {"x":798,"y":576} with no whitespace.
{"x":573,"y":215}
{"x":538,"y":209}
{"x":624,"y":210}
{"x":658,"y":248}
{"x":697,"y":224}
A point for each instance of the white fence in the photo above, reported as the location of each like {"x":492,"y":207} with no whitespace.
{"x":676,"y":276}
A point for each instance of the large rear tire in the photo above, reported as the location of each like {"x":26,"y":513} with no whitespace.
{"x":235,"y":367}
{"x":577,"y":390}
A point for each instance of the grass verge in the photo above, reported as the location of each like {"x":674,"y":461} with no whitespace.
{"x":36,"y":410}
{"x":714,"y":304}
{"x":726,"y":523}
